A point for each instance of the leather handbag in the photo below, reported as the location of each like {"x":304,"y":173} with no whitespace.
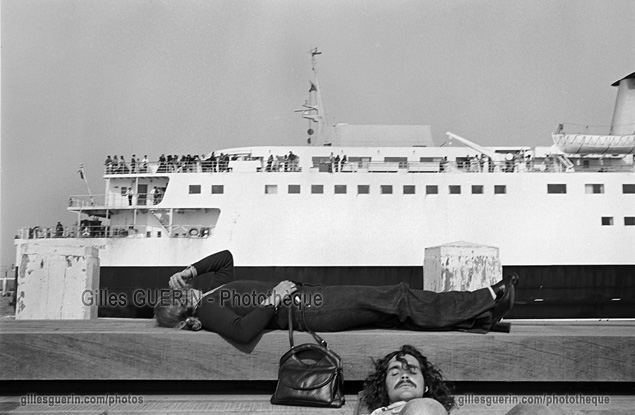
{"x":310,"y":374}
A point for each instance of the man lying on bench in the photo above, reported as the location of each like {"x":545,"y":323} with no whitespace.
{"x":241,"y":310}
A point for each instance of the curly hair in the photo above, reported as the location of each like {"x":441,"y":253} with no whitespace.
{"x":376,"y":394}
{"x":174,"y":312}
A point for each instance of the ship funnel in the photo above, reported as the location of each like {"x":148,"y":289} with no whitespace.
{"x":624,"y":113}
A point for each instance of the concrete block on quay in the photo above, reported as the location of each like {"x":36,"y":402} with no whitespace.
{"x":52,"y":281}
{"x":461,"y":266}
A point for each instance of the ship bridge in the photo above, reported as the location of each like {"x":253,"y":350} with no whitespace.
{"x":136,"y":203}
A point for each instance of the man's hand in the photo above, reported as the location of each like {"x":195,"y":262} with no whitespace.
{"x":285,"y":288}
{"x":280,"y":292}
{"x":393,"y":408}
{"x":180,"y":280}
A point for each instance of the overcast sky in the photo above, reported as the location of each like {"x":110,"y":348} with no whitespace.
{"x":85,"y":79}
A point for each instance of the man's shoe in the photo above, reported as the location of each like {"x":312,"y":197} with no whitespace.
{"x":501,"y":286}
{"x":504,"y":302}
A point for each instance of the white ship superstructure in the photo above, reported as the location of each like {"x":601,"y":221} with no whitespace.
{"x":372,"y":212}
{"x":366,"y":212}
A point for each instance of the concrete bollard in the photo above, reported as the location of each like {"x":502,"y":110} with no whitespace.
{"x":53,"y":281}
{"x":461,"y":266}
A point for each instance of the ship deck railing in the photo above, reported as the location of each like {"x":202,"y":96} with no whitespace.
{"x":604,"y":169}
{"x":204,"y":166}
{"x":114,"y":201}
{"x":107,"y":231}
{"x":516,"y":165}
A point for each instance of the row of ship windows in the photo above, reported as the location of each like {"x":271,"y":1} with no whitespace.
{"x":608,"y":221}
{"x":410,"y":189}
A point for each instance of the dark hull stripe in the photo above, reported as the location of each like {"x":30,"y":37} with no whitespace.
{"x":572,"y":291}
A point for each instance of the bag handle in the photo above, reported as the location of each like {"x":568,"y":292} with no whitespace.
{"x":317,"y":338}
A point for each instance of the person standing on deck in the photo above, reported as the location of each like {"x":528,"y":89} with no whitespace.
{"x":130,"y":194}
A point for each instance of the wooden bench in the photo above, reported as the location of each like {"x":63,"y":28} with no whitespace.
{"x":124,"y":349}
{"x":107,"y":352}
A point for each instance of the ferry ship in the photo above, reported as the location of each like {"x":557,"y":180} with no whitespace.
{"x":361,"y":204}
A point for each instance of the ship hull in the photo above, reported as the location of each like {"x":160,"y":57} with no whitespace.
{"x":562,"y":291}
{"x":373,"y":228}
{"x":529,"y":224}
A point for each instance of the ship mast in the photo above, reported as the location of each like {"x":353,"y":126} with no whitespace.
{"x":313,"y":108}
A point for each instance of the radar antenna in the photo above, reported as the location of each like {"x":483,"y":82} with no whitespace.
{"x":313,"y":53}
{"x":313,"y":108}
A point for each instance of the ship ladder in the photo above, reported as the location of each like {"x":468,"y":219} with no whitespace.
{"x":160,"y":220}
{"x":566,"y":163}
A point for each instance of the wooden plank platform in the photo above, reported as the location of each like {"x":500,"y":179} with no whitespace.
{"x":259,"y":404}
{"x":123,"y":349}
